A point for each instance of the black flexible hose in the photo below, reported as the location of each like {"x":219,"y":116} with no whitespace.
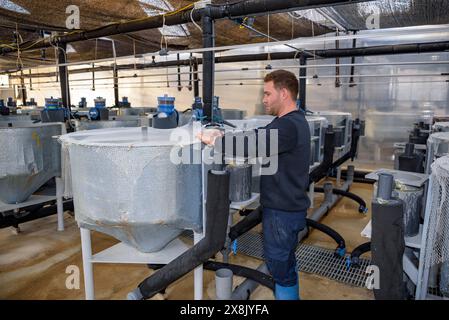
{"x":246,"y":224}
{"x":255,"y":217}
{"x":357,"y":252}
{"x":362,"y":208}
{"x":341,"y":245}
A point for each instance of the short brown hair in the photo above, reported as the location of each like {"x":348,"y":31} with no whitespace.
{"x":283,"y":79}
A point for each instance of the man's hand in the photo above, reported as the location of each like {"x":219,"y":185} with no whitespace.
{"x":208,"y":136}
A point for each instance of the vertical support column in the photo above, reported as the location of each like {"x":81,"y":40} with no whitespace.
{"x":116,"y":98}
{"x":179,"y":73}
{"x":311,"y":193}
{"x":64,"y":76}
{"x":93,"y":77}
{"x":31,"y":82}
{"x":196,"y":81}
{"x":23,"y":88}
{"x":337,"y":62}
{"x":328,"y":193}
{"x":302,"y":82}
{"x":60,"y":209}
{"x":338,"y":176}
{"x":86,"y":247}
{"x":208,"y":64}
{"x":354,"y":45}
{"x":198,"y":272}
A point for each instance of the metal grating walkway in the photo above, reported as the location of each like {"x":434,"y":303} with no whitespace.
{"x":312,"y":259}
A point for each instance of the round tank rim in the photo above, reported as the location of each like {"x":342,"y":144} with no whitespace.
{"x":71,"y":138}
{"x":315,"y":118}
{"x":331,"y":113}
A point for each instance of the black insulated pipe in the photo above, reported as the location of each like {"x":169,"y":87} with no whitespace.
{"x":329,"y":53}
{"x":240,"y":271}
{"x":208,"y":65}
{"x":23,"y":89}
{"x":354,"y":46}
{"x":337,"y":62}
{"x":179,"y":73}
{"x":347,"y":194}
{"x":302,"y":82}
{"x":190,"y":73}
{"x":217,"y":212}
{"x":196,"y":82}
{"x":232,"y":11}
{"x":116,"y":93}
{"x":64,"y":77}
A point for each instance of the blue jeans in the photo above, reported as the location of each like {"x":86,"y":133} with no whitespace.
{"x":280,"y":238}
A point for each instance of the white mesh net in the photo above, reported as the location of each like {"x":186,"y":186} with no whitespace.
{"x":438,"y":236}
{"x":436,"y":254}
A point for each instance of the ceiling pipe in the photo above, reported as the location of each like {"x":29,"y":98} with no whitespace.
{"x":243,"y":8}
{"x":329,"y":53}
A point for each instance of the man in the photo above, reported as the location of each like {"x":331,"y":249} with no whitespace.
{"x":283,"y":195}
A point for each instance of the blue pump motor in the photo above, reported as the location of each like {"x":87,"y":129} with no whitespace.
{"x":51,"y":103}
{"x":99,"y":112}
{"x":166,"y":104}
{"x":53,"y":112}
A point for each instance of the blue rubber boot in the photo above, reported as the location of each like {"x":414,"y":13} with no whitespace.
{"x":286,"y":293}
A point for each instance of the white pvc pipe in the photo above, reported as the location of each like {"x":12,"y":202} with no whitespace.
{"x":223,"y":284}
{"x":60,"y":209}
{"x":198,"y":272}
{"x":311,"y":66}
{"x":393,"y":32}
{"x":86,"y":248}
{"x":311,"y":193}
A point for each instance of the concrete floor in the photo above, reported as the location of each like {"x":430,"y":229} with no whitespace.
{"x":33,"y":263}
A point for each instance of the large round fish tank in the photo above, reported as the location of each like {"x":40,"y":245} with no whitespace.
{"x":125,"y":184}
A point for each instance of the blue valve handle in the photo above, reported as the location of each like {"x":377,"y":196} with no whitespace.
{"x":234,"y":247}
